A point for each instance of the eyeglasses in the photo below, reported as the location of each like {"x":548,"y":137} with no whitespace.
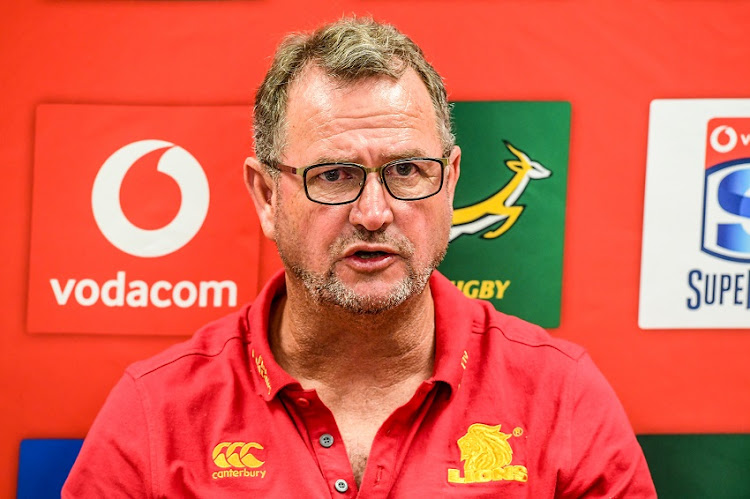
{"x":407,"y":179}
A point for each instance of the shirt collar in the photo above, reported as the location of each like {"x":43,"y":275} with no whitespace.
{"x":269,"y":376}
{"x":453,"y":323}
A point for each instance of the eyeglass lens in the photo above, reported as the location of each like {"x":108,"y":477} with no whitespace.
{"x":336,"y":183}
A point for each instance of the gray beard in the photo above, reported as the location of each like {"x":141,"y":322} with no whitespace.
{"x":328,"y":288}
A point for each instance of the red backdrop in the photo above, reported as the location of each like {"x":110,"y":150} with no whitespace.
{"x":609,"y":59}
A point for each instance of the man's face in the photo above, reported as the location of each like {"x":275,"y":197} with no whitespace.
{"x":372,"y":254}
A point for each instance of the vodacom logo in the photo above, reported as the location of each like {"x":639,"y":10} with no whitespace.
{"x":115,"y":226}
{"x":731,"y":140}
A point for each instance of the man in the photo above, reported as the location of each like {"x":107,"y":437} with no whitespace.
{"x":360,"y":370}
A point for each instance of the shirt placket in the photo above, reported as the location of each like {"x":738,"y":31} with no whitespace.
{"x":392,"y":442}
{"x":317,"y":426}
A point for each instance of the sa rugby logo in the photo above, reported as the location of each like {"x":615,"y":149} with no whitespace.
{"x":501,"y":206}
{"x":514,"y":162}
{"x":487,"y":455}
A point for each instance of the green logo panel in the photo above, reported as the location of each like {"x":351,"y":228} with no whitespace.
{"x":509,"y":212}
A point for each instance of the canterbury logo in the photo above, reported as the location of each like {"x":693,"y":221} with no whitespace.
{"x":236,"y":455}
{"x":500,"y":206}
{"x":487,"y":455}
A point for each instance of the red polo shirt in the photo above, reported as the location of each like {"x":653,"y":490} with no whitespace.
{"x":509,"y":412}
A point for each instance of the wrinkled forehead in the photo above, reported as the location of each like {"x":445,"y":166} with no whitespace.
{"x":320,"y":107}
{"x":315,"y":90}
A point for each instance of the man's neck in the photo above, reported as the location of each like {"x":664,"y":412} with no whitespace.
{"x":322,"y":344}
{"x":362,"y":367}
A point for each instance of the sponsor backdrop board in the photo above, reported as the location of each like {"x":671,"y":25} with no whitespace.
{"x":140,"y":223}
{"x":508,"y":224}
{"x":695,"y":266}
{"x":608,"y":59}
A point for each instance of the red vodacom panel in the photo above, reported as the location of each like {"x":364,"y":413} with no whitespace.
{"x":141,"y":223}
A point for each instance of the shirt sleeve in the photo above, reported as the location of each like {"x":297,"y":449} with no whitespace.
{"x":114,"y":460}
{"x":606,"y":460}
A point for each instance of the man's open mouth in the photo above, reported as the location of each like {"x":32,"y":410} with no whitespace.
{"x":365,"y":255}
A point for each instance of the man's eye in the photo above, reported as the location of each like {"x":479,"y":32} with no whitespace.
{"x":332,"y":175}
{"x":405,"y":169}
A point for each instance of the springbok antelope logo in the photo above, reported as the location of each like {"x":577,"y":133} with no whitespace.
{"x":501,"y":205}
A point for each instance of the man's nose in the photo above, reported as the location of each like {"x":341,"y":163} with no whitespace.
{"x":372,"y":209}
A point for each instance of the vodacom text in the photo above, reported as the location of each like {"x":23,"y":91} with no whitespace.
{"x":119,"y":292}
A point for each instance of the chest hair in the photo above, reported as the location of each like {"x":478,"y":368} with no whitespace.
{"x":360,"y":416}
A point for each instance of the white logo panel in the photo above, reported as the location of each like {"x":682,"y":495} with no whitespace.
{"x":683,"y":286}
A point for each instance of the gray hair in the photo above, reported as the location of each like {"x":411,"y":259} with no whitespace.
{"x":351,"y":49}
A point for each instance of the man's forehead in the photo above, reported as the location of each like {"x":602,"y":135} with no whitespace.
{"x":320,"y":92}
{"x":337,"y":118}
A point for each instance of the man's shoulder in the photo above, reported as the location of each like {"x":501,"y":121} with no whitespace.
{"x":210,"y":341}
{"x":523,"y":335}
{"x":508,"y":331}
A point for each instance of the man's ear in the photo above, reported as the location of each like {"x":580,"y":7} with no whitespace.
{"x":454,"y":171}
{"x":263,"y":192}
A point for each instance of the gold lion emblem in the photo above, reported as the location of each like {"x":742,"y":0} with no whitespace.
{"x":487,"y":455}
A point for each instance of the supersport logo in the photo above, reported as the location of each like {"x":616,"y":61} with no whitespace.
{"x":500,"y":206}
{"x":114,"y":225}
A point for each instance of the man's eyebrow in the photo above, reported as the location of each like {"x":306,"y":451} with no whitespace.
{"x":387,"y":158}
{"x":329,"y":159}
{"x":408,"y":153}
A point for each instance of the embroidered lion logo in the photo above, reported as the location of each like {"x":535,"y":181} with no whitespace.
{"x":485,"y":447}
{"x":487,"y":455}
